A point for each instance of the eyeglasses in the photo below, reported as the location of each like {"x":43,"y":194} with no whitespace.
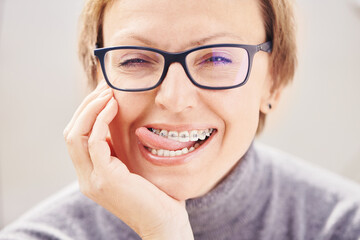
{"x":217,"y":66}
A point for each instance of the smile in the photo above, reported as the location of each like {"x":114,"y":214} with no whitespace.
{"x":169,"y":147}
{"x":184,"y":136}
{"x":196,"y":137}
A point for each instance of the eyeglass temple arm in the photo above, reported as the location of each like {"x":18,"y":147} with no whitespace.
{"x":266,"y":47}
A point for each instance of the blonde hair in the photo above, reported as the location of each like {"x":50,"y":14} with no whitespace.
{"x":279,"y":26}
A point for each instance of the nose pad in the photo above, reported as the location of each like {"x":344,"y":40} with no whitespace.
{"x":176,"y":93}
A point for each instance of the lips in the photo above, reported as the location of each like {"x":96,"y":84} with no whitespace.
{"x":152,"y":140}
{"x":163,"y":151}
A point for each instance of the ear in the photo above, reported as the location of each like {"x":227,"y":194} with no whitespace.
{"x":270,"y":95}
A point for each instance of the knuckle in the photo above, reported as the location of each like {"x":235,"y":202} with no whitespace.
{"x":98,"y":186}
{"x":94,"y":187}
{"x":69,"y":139}
{"x":91,"y":143}
{"x":65,"y":133}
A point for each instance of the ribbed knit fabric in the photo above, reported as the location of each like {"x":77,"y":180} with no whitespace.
{"x":268,"y":195}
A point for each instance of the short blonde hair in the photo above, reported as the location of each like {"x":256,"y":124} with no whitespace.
{"x":279,"y":26}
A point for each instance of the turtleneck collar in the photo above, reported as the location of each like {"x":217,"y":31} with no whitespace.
{"x":232,"y":198}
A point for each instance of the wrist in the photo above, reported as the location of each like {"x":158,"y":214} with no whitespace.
{"x":176,"y":230}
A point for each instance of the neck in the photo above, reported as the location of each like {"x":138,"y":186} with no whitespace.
{"x":230,"y":199}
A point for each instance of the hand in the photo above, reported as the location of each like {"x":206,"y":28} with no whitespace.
{"x":105,"y":179}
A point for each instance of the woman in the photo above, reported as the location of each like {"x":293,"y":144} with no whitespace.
{"x":165,"y":143}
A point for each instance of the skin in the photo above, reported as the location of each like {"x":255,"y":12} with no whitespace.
{"x":112,"y":172}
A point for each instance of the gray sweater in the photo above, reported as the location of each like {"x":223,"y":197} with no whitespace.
{"x":268,"y":195}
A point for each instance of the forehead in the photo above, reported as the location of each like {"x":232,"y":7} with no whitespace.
{"x":174,"y":25}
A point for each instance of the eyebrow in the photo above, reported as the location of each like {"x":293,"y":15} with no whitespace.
{"x":202,"y":41}
{"x":190,"y":44}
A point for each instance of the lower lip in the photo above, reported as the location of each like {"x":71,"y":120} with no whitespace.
{"x":176,"y":160}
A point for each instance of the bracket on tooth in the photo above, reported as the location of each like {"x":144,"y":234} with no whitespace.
{"x":163,"y":133}
{"x":183,"y":136}
{"x":202,"y":134}
{"x":153,"y":130}
{"x":173,"y":135}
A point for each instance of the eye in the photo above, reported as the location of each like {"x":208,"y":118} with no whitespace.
{"x":133,"y":62}
{"x":218,"y":60}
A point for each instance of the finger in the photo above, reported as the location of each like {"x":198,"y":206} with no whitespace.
{"x":80,"y":157}
{"x":84,"y":123}
{"x":77,"y":139}
{"x":100,"y":90}
{"x":99,"y":148}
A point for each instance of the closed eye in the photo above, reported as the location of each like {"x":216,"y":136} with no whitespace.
{"x":133,"y":62}
{"x":218,"y":60}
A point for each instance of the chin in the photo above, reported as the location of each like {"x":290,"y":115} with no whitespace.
{"x":179,"y":193}
{"x":177,"y":188}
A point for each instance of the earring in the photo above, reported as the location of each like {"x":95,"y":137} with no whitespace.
{"x":270,"y":106}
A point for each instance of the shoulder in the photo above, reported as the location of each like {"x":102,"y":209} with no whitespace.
{"x":68,"y":215}
{"x":327,"y":204}
{"x":301,"y":173}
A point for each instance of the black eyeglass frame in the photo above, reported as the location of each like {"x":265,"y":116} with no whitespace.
{"x":180,"y":57}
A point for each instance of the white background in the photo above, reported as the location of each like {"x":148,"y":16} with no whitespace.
{"x":40,"y":88}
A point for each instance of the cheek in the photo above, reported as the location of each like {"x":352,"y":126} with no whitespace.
{"x":132,"y":106}
{"x":243,"y":104}
{"x":237,"y":107}
{"x":239,"y":111}
{"x":241,"y":116}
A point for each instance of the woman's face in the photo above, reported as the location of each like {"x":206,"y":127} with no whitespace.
{"x":177,"y":104}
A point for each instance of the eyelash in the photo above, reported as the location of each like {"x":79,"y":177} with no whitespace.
{"x":137,"y":61}
{"x":215,"y":60}
{"x":133,"y":61}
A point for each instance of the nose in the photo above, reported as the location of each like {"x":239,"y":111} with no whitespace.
{"x":176,"y":93}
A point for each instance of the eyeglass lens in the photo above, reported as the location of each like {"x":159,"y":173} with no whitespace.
{"x":211,"y":67}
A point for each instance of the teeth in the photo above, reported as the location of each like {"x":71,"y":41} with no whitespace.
{"x":184,"y":150}
{"x":178,"y":152}
{"x":160,"y":152}
{"x":173,"y":135}
{"x":184,"y":136}
{"x":156,"y":131}
{"x":172,"y":153}
{"x":202,"y":134}
{"x":194,"y":136}
{"x":207,"y":131}
{"x":163,"y":133}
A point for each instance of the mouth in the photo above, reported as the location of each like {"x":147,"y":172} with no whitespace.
{"x":170,"y":147}
{"x":194,"y":137}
